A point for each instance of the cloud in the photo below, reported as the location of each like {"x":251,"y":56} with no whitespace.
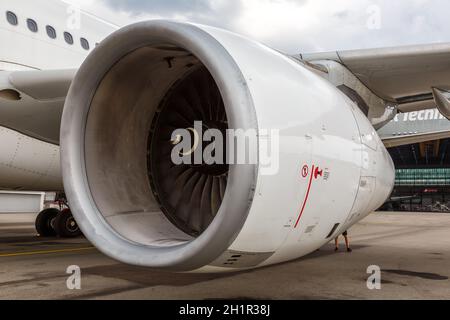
{"x":297,"y":26}
{"x":214,"y":12}
{"x":162,"y":7}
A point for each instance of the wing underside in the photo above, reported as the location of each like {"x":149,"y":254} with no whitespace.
{"x":413,"y":79}
{"x":403,"y":75}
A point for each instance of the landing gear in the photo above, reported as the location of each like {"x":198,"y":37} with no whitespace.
{"x":60,"y":222}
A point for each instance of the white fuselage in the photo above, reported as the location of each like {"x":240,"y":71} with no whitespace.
{"x":31,"y":163}
{"x":23,"y":49}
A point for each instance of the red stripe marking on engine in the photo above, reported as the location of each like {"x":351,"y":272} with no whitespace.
{"x":306,"y":198}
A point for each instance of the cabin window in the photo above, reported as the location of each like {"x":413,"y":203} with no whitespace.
{"x":12,"y":18}
{"x":32,"y":25}
{"x":84,"y":44}
{"x":68,"y":37}
{"x":51,"y":32}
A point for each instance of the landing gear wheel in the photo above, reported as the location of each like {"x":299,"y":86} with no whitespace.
{"x":45,"y":221}
{"x":65,"y":225}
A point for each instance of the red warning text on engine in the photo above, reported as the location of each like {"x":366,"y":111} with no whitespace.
{"x":318,"y":173}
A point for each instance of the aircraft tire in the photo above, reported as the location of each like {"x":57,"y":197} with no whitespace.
{"x":45,"y":221}
{"x":66,"y":226}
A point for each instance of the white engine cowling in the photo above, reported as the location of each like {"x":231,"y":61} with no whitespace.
{"x":137,"y":207}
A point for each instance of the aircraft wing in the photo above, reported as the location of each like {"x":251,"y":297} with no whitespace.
{"x":31,"y":102}
{"x":405,"y":76}
{"x":414,"y":78}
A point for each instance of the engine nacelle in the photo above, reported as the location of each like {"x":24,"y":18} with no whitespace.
{"x":135,"y":205}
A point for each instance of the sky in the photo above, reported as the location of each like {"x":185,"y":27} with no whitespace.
{"x":295,"y":26}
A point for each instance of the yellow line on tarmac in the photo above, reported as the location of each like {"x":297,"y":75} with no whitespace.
{"x":32,"y":253}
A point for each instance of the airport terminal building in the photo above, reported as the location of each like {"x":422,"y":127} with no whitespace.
{"x":422,"y":177}
{"x":423,"y":169}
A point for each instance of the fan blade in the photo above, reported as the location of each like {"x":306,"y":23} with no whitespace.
{"x":191,"y":195}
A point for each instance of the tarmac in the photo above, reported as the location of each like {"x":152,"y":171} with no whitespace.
{"x":411,"y":249}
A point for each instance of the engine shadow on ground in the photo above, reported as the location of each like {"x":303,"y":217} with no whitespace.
{"x":148,"y":278}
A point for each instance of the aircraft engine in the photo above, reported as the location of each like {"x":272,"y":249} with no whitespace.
{"x":311,"y":164}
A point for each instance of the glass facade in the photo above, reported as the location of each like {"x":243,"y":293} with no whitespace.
{"x":423,"y":177}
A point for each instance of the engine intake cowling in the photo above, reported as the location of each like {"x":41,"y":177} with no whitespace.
{"x":151,"y":78}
